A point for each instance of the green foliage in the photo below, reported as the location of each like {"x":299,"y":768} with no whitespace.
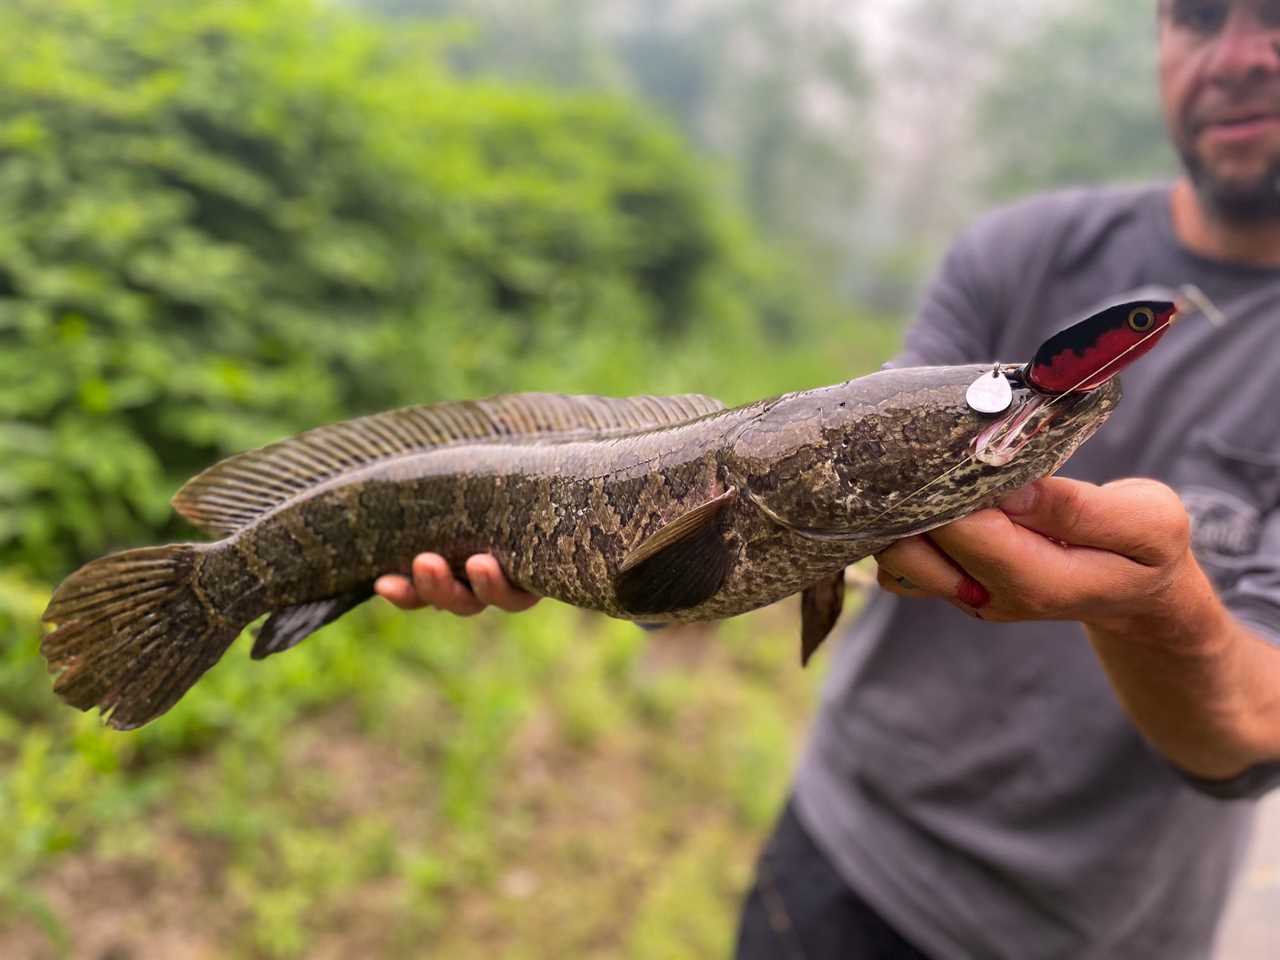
{"x":223,"y":222}
{"x":393,"y":776}
{"x":1077,"y":104}
{"x":684,"y":913}
{"x":228,"y":221}
{"x":777,"y":93}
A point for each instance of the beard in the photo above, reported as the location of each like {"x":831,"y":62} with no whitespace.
{"x":1242,"y":202}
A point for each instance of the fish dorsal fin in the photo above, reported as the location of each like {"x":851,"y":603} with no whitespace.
{"x":238,"y":490}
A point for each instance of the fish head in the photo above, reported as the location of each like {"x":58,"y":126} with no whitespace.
{"x":902,"y":451}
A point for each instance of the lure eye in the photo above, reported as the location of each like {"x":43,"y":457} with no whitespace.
{"x":1141,"y":319}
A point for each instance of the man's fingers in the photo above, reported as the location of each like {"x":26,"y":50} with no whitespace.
{"x":1140,"y":519}
{"x":1035,"y":575}
{"x":916,"y":567}
{"x":1059,"y":549}
{"x":399,"y":591}
{"x":492,"y":587}
{"x":436,"y":585}
{"x":433,"y":584}
{"x":899,"y":584}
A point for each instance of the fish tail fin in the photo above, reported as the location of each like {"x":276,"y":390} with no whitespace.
{"x":133,"y":633}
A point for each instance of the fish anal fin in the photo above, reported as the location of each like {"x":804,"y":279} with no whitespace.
{"x":820,"y":606}
{"x":680,"y":566}
{"x":289,"y":626}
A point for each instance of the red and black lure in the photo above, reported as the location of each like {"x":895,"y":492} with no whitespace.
{"x":1087,"y":354}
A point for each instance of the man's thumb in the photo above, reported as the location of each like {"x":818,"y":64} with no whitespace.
{"x":1141,"y":519}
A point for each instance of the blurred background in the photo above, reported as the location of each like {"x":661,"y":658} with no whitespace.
{"x":224,"y":222}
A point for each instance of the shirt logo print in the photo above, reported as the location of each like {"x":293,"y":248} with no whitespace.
{"x":1222,"y":524}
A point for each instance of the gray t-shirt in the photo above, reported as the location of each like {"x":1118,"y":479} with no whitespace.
{"x":978,"y":783}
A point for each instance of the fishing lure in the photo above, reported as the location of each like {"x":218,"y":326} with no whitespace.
{"x":1088,"y":353}
{"x":1076,"y":360}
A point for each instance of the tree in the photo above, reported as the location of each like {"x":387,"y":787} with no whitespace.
{"x":223,"y":222}
{"x":1077,"y":104}
{"x":776,"y":92}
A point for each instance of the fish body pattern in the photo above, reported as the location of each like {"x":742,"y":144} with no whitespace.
{"x":657,"y":509}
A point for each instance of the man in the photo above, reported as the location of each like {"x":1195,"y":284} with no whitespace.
{"x":994,"y":780}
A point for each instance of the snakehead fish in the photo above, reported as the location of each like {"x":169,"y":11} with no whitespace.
{"x":654,"y":509}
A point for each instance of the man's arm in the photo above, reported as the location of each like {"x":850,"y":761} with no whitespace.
{"x":1200,"y":685}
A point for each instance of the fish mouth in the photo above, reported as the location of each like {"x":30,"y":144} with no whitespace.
{"x":1032,"y":414}
{"x":1000,"y":442}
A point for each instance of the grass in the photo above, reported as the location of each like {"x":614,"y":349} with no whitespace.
{"x":551,"y":784}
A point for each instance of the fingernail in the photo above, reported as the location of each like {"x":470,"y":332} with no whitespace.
{"x":1022,"y":500}
{"x":972,"y":594}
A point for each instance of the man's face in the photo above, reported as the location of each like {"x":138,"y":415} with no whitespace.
{"x":1220,"y":83}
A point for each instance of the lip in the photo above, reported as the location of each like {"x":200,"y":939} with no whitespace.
{"x":1241,"y":128}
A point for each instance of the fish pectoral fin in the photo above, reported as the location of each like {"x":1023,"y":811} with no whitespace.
{"x":289,"y":626}
{"x":683,"y":527}
{"x":680,"y":566}
{"x":820,"y":607}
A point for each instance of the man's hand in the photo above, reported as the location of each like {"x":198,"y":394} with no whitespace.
{"x":1202,"y":687}
{"x":433,"y":585}
{"x":1059,"y":550}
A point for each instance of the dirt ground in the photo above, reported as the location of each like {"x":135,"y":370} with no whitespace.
{"x":1251,"y":930}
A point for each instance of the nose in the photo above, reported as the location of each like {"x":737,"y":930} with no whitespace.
{"x":1244,"y":50}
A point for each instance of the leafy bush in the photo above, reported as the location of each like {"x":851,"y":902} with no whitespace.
{"x":222,"y":222}
{"x":1077,"y":104}
{"x":227,"y":221}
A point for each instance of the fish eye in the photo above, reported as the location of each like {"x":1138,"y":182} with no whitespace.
{"x":1141,"y":319}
